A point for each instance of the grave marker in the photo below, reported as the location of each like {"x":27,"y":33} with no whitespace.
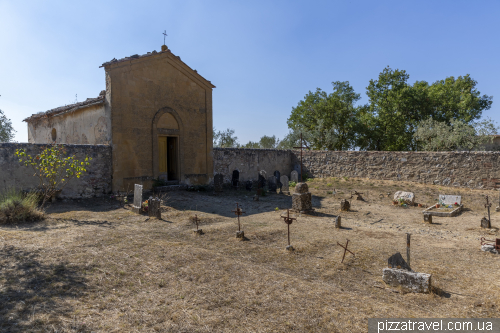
{"x":285,"y":187}
{"x":288,"y":220}
{"x":345,"y":206}
{"x":294,"y":176}
{"x":278,"y":180}
{"x":248,"y":185}
{"x":154,"y":209}
{"x":338,"y":223}
{"x":447,"y":200}
{"x":196,"y":221}
{"x":238,"y":211}
{"x":428,"y":218}
{"x":136,"y":207}
{"x":498,"y":207}
{"x":272,"y":184}
{"x":397,"y":261}
{"x":345,"y":249}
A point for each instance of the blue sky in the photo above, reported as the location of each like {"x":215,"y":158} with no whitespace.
{"x":263,"y":56}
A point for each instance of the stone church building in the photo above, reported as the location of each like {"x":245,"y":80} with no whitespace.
{"x":156,"y":113}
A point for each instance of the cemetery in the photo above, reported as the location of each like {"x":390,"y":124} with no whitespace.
{"x":305,"y":256}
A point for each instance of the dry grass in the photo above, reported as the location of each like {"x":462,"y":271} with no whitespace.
{"x":94,"y":266}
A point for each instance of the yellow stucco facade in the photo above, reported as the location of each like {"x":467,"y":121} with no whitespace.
{"x":157,"y":113}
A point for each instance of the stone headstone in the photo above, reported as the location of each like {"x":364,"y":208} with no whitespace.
{"x":408,"y":281}
{"x":345,"y":206}
{"x":154,"y":209}
{"x":408,"y":197}
{"x":278,"y":180}
{"x":235,"y":179}
{"x":248,"y":185}
{"x":218,"y":182}
{"x":397,"y":261}
{"x":338,"y":223}
{"x":294,"y":176}
{"x":302,"y":199}
{"x":272,"y":184}
{"x":428,"y":218}
{"x":284,"y":181}
{"x":262,"y":179}
{"x":447,"y":200}
{"x":485,"y":223}
{"x":137,"y":198}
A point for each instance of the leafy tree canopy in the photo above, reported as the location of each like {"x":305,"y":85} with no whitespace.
{"x":6,"y":129}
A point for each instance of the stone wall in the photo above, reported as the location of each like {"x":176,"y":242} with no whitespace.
{"x":94,"y":183}
{"x":250,"y":161}
{"x":462,"y":169}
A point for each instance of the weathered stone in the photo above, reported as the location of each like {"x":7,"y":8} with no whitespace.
{"x":277,"y":174}
{"x":345,"y":206}
{"x":248,"y":185}
{"x":262,"y":179}
{"x":338,"y":223}
{"x":289,"y":248}
{"x":485,"y":223}
{"x":240,"y":234}
{"x":407,"y":197}
{"x":272,"y":184}
{"x":218,"y":182}
{"x":294,"y":176}
{"x":154,"y":209}
{"x":489,"y":248}
{"x":301,"y":201}
{"x":285,"y":186}
{"x":447,"y":200}
{"x":198,"y":232}
{"x":137,"y":205}
{"x":301,"y":188}
{"x":428,"y":218}
{"x":408,"y":281}
{"x":397,"y":261}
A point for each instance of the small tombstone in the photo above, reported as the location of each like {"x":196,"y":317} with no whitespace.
{"x":218,"y":181}
{"x":154,"y":209}
{"x":345,"y":206}
{"x":397,"y":261}
{"x":272,"y":184}
{"x":235,"y":180}
{"x":248,"y":185}
{"x":262,"y":179}
{"x":294,"y":176}
{"x":337,"y":222}
{"x":485,"y":223}
{"x":302,"y":199}
{"x":407,"y":197}
{"x":447,"y":200}
{"x":428,"y":218}
{"x":277,"y":174}
{"x":285,"y":187}
{"x":137,"y":198}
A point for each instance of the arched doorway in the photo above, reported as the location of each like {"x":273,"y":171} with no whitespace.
{"x":166,"y":145}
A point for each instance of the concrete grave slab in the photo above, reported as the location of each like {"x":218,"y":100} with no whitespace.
{"x":408,"y":281}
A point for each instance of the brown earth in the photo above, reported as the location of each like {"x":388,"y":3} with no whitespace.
{"x":95,"y":266}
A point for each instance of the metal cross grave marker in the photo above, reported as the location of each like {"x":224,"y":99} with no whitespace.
{"x":288,"y":220}
{"x":488,"y":205}
{"x":196,"y":220}
{"x":345,"y":249}
{"x":238,"y":211}
{"x":301,"y":147}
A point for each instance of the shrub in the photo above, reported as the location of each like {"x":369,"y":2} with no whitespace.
{"x":292,"y":184}
{"x":16,"y":207}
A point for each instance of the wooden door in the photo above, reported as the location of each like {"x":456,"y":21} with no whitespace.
{"x":162,"y":145}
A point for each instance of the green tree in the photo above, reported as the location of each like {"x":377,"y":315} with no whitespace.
{"x":268,"y":142}
{"x":251,"y":144}
{"x":225,"y":139}
{"x":330,"y":121}
{"x":52,"y":169}
{"x":434,"y":135}
{"x":6,"y":129}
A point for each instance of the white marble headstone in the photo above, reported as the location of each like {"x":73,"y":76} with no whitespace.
{"x":138,"y":195}
{"x":450,"y":199}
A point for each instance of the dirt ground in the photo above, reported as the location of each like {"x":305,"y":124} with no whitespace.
{"x":95,"y":266}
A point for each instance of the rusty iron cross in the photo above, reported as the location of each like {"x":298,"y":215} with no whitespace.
{"x":302,"y":144}
{"x":238,"y":211}
{"x":288,"y":220}
{"x":196,"y":220}
{"x":345,"y":249}
{"x":488,"y":205}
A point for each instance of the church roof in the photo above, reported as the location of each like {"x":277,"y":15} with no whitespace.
{"x":149,"y":54}
{"x":69,"y":108}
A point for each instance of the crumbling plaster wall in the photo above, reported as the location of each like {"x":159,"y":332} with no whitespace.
{"x":90,"y":125}
{"x":460,"y":169}
{"x":94,"y":183}
{"x":249,"y":162}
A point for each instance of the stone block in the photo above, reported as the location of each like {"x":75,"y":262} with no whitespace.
{"x":301,"y":188}
{"x":489,"y":248}
{"x":338,"y":223}
{"x":198,"y":232}
{"x":485,"y":223}
{"x":428,"y":218}
{"x":345,"y":206}
{"x":408,"y":281}
{"x":240,"y":234}
{"x":407,"y":197}
{"x":301,"y":201}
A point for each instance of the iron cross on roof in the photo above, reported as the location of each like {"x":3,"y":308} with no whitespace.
{"x":301,"y":147}
{"x":164,"y":35}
